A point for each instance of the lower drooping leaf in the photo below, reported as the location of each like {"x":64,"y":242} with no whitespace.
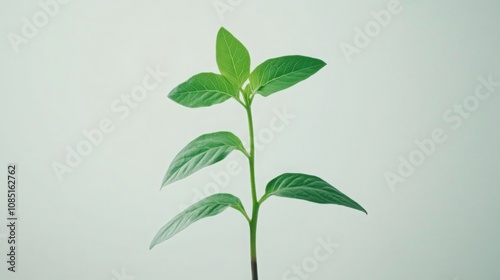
{"x":204,"y":89}
{"x":201,"y":152}
{"x":207,"y":207}
{"x":310,"y":188}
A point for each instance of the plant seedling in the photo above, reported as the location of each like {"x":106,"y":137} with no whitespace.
{"x":237,"y":82}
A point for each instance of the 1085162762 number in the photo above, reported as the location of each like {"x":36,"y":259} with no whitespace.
{"x":11,"y":192}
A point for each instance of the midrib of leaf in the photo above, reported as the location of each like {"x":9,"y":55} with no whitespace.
{"x":204,"y":88}
{"x":275,"y":77}
{"x":288,"y":74}
{"x":210,"y":90}
{"x":313,"y":189}
{"x":233,"y":61}
{"x":192,"y":161}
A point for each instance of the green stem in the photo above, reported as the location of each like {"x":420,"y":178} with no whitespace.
{"x":255,"y":202}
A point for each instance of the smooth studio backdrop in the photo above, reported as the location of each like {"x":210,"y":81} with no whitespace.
{"x":72,"y":67}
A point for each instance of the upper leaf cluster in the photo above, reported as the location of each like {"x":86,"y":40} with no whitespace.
{"x":233,"y":61}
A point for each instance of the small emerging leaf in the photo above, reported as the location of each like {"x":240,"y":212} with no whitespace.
{"x":207,"y":207}
{"x":310,"y":188}
{"x":201,"y":152}
{"x":283,"y":72}
{"x":204,"y":89}
{"x":232,"y":57}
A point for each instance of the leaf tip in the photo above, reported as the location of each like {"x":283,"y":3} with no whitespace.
{"x":165,"y":182}
{"x":322,"y":63}
{"x":222,"y":31}
{"x":171,"y":94}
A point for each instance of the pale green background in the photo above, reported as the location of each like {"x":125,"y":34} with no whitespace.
{"x":353,"y":120}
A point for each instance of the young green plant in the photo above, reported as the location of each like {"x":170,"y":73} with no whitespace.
{"x":237,"y":82}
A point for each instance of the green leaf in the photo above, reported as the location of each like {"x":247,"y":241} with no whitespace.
{"x":232,"y":57}
{"x":201,"y":152}
{"x":204,"y":89}
{"x":204,"y":208}
{"x":310,"y":188}
{"x":283,"y":72}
